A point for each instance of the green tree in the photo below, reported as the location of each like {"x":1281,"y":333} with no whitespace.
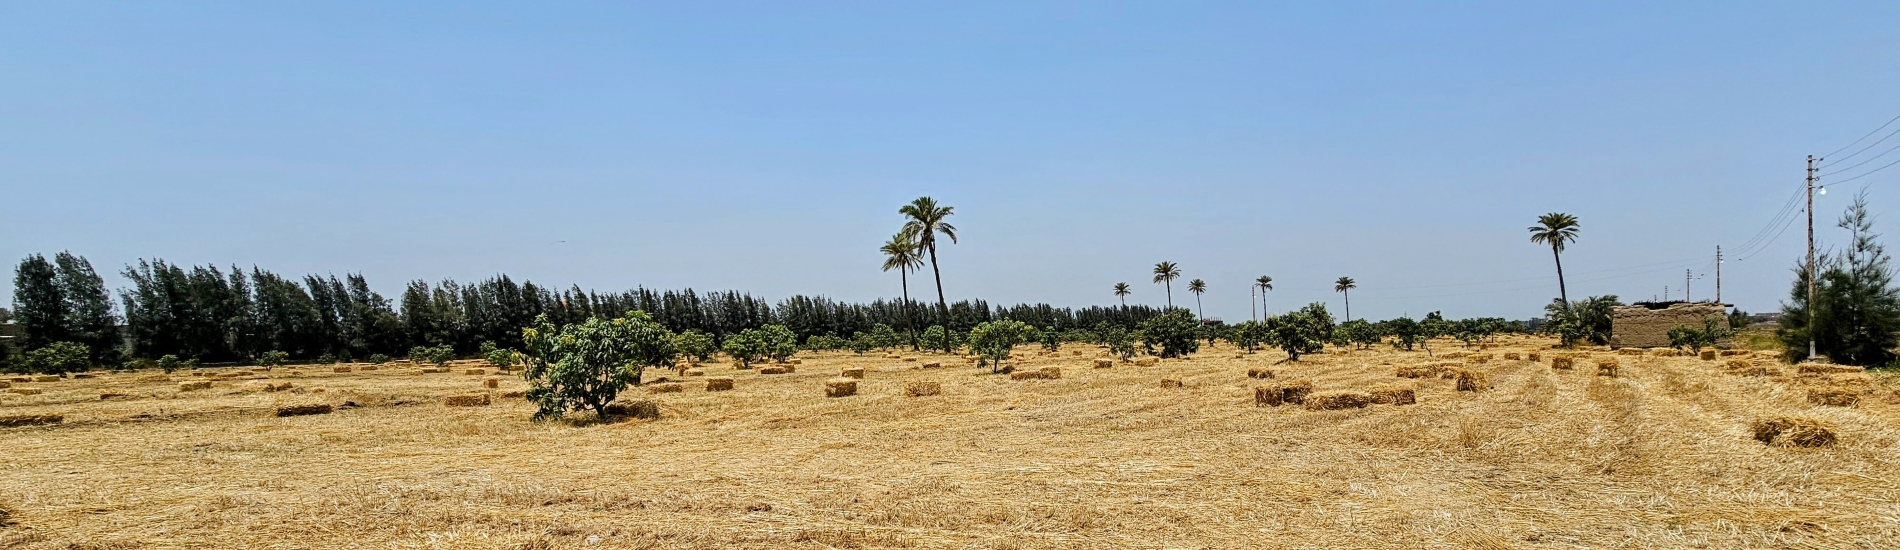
{"x":586,"y":365}
{"x":39,"y":305}
{"x":746,"y":347}
{"x":1165,"y":274}
{"x":435,"y":355}
{"x":1248,"y":335}
{"x":780,"y":343}
{"x":502,"y":358}
{"x":861,"y":342}
{"x":902,"y":254}
{"x":883,"y":337}
{"x":697,"y":346}
{"x":1051,"y":339}
{"x":1302,"y":331}
{"x":1174,"y":332}
{"x":1344,"y":286}
{"x":1122,"y":291}
{"x":938,"y":338}
{"x":1198,"y":287}
{"x":992,"y":341}
{"x":1683,"y":336}
{"x":1856,"y":311}
{"x":58,"y":358}
{"x":169,"y":363}
{"x":1360,"y":333}
{"x":1556,"y":229}
{"x":272,"y":359}
{"x":1405,"y":332}
{"x":1120,"y":341}
{"x":926,"y":221}
{"x":1265,"y":284}
{"x":1588,"y":319}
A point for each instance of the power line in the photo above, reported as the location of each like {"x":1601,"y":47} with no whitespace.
{"x":1851,"y":144}
{"x":1871,"y":172}
{"x":1869,"y":159}
{"x":1764,"y":244}
{"x":1787,"y":208}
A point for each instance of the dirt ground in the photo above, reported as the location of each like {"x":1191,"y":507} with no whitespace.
{"x":1661,"y":456}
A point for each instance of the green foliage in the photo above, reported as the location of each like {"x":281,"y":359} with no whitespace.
{"x":378,"y":358}
{"x":780,"y":343}
{"x":1738,"y":319}
{"x":502,"y":358}
{"x":883,"y":337}
{"x":170,"y":363}
{"x":1120,"y":341}
{"x":1405,"y":332}
{"x":1176,"y":333}
{"x":1585,"y":320}
{"x":435,"y":355}
{"x":861,"y":342}
{"x":745,"y":348}
{"x":1683,"y":336}
{"x":1856,"y":310}
{"x":697,"y":346}
{"x":992,"y":341}
{"x":936,"y":337}
{"x":1051,"y":339}
{"x":825,"y":342}
{"x":586,"y":365}
{"x":326,"y":359}
{"x":272,"y":359}
{"x":58,"y":358}
{"x":1359,"y":333}
{"x":1301,"y":332}
{"x":1248,"y":335}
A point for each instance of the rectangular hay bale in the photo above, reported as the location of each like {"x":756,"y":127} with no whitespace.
{"x":852,"y":372}
{"x":1049,"y":373}
{"x":669,"y":387}
{"x":1337,"y":400}
{"x":194,"y":385}
{"x":466,"y":400}
{"x":303,"y":410}
{"x":1167,"y":383}
{"x":841,"y":387}
{"x":719,"y":383}
{"x":1104,"y":363}
{"x":1562,"y":363}
{"x":1834,"y":396}
{"x":1259,"y":373}
{"x":20,"y":420}
{"x":1472,"y":381}
{"x":1394,"y":396}
{"x":923,"y":388}
{"x":1788,"y":431}
{"x":1608,"y":367}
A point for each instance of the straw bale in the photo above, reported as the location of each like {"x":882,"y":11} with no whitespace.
{"x":1257,"y":372}
{"x":1472,"y":381}
{"x":466,"y":400}
{"x":26,"y":391}
{"x":1533,"y":357}
{"x":1562,"y":363}
{"x":1170,"y":383}
{"x":1737,"y":353}
{"x":636,"y":408}
{"x":1512,"y":356}
{"x":1296,"y":391}
{"x":932,"y":365}
{"x":893,"y":356}
{"x":194,"y":385}
{"x":302,"y":410}
{"x":1607,"y":367}
{"x":83,"y":375}
{"x":1707,"y":355}
{"x":4,"y":384}
{"x":789,"y":368}
{"x":1828,"y":368}
{"x":670,"y":387}
{"x":1453,"y":355}
{"x":1394,"y":396}
{"x":1788,"y":431}
{"x":1267,"y":396}
{"x":1479,"y":358}
{"x":923,"y":388}
{"x":113,"y":394}
{"x":1147,"y":361}
{"x":339,"y":368}
{"x":1025,"y":375}
{"x":368,"y":368}
{"x":841,"y":387}
{"x":1104,"y":363}
{"x":798,"y":361}
{"x":719,"y":383}
{"x":491,"y":382}
{"x":852,"y":372}
{"x":514,"y":394}
{"x":1629,"y":351}
{"x":20,"y":379}
{"x":910,"y":359}
{"x":693,"y":372}
{"x":1050,"y":373}
{"x":1835,"y":396}
{"x":1417,"y":371}
{"x":1336,"y":400}
{"x":18,"y":420}
{"x":772,"y":370}
{"x":45,"y":378}
{"x":1077,"y":353}
{"x":475,"y":372}
{"x":276,"y":386}
{"x":1449,"y":371}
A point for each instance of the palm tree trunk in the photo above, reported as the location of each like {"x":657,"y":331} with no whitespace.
{"x":1252,"y":308}
{"x":1170,"y":286}
{"x":1561,"y":293}
{"x":1198,"y":310}
{"x":1348,"y":294}
{"x":910,"y":325}
{"x":943,"y":306}
{"x":1124,"y":302}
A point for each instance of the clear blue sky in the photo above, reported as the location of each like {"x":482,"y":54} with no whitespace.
{"x":766,"y":147}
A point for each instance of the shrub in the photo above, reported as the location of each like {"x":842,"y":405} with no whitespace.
{"x":378,"y":358}
{"x":1051,"y":340}
{"x":936,"y":337}
{"x":883,"y":337}
{"x":585,"y":366}
{"x":58,"y":358}
{"x":502,"y":358}
{"x":326,"y":359}
{"x":1247,"y":335}
{"x":1119,"y":340}
{"x":780,"y":343}
{"x":1359,"y":333}
{"x":745,"y":347}
{"x":434,"y":355}
{"x":1683,"y":336}
{"x":824,"y":342}
{"x":272,"y":359}
{"x":170,"y":363}
{"x":1301,"y":332}
{"x":696,"y":346}
{"x":1176,"y":333}
{"x":993,"y":340}
{"x":861,"y":342}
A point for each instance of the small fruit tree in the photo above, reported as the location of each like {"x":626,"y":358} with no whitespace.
{"x":993,"y":340}
{"x":436,"y":355}
{"x":58,"y":358}
{"x":1683,"y":336}
{"x":697,"y":346}
{"x":585,"y":366}
{"x":745,"y":347}
{"x":272,"y":359}
{"x":1176,"y":333}
{"x":1301,"y":332}
{"x":780,"y":342}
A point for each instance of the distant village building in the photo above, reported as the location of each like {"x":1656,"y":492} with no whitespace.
{"x":1647,"y":324}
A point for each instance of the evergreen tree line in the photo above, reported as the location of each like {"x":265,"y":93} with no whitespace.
{"x":216,"y":315}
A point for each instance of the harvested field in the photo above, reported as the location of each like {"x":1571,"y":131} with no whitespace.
{"x":1664,"y":456}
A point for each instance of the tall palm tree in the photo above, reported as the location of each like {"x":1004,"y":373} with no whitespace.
{"x":1556,"y":229}
{"x":1265,"y":283}
{"x":901,"y":254}
{"x":1198,"y":287}
{"x":1166,"y":273}
{"x":925,"y":222}
{"x":1345,"y":285}
{"x":1122,"y":291}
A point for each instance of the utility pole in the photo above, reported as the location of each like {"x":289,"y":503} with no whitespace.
{"x":1718,"y":274}
{"x":1811,"y":273}
{"x":1685,"y":286}
{"x":1665,"y":293}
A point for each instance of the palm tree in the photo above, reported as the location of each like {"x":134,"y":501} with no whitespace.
{"x":1122,"y":291}
{"x":1556,"y":229}
{"x":1198,"y":287}
{"x":901,"y":254}
{"x":925,"y":223}
{"x":1345,"y":285}
{"x":1166,"y":273}
{"x":1265,"y":283}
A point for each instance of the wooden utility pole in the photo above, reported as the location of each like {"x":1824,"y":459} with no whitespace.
{"x":1685,"y":286}
{"x":1718,"y":274}
{"x":1811,"y":273}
